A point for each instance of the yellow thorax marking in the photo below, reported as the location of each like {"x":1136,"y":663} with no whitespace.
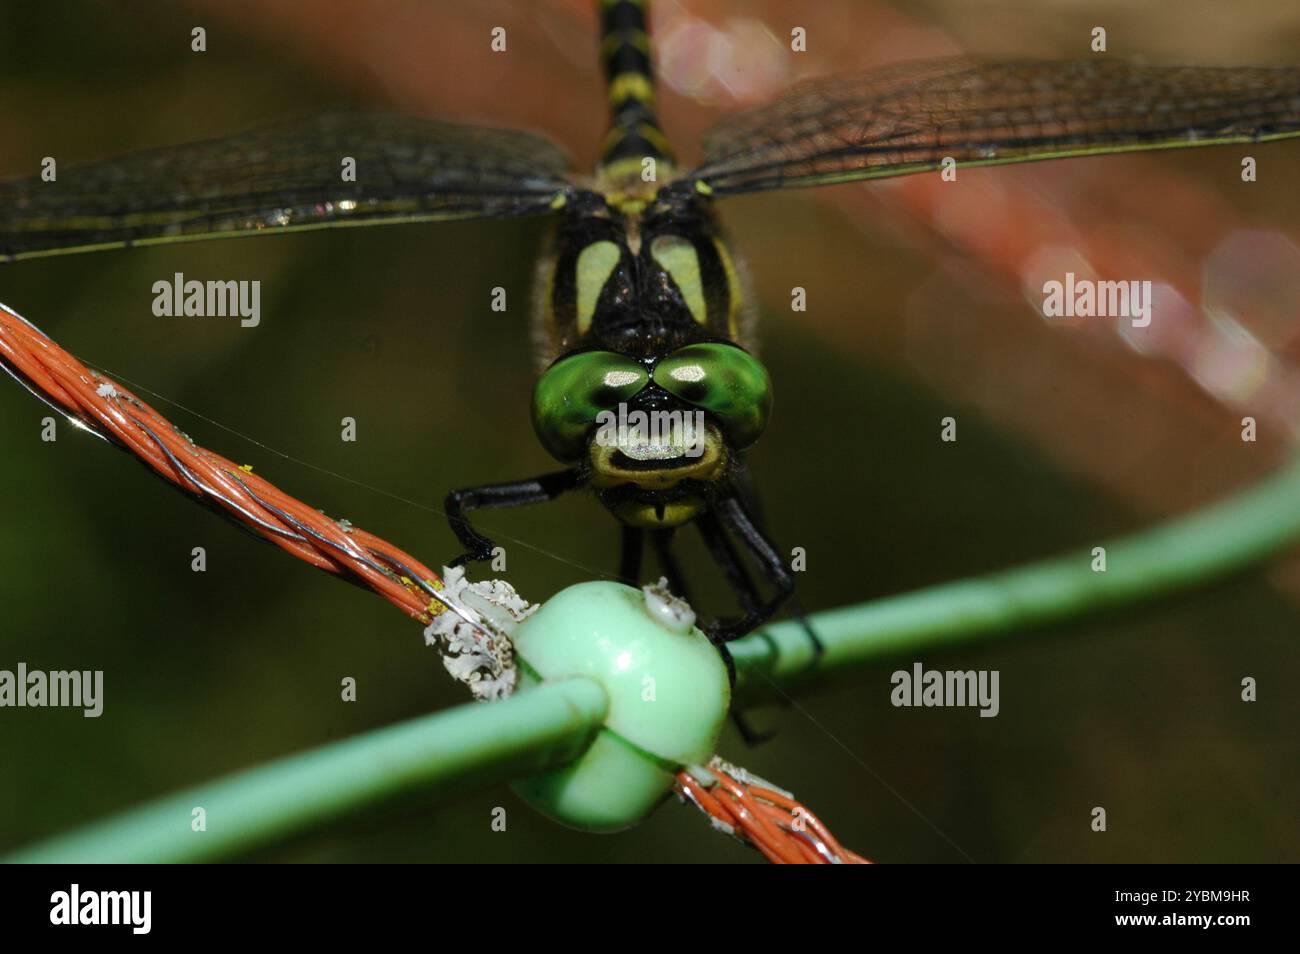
{"x":677,"y":257}
{"x":735,"y":289}
{"x":596,"y":263}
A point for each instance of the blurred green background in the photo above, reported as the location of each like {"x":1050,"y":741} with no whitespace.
{"x":206,"y":673}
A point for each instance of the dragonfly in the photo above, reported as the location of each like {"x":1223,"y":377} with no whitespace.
{"x":643,"y":312}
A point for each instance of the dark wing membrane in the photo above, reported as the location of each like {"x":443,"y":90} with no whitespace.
{"x":907,"y":118}
{"x":281,"y":179}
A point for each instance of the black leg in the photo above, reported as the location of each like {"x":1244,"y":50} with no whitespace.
{"x":629,"y":561}
{"x":517,"y":494}
{"x":744,"y":485}
{"x":732,"y":515}
{"x":724,"y":554}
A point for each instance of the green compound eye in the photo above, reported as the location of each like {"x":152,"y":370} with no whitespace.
{"x":723,"y":380}
{"x":576,"y":389}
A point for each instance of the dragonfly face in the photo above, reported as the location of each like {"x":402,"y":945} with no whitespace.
{"x":652,"y":394}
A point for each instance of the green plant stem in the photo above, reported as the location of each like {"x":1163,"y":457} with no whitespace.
{"x":552,"y":724}
{"x":1205,"y":545}
{"x":474,"y":744}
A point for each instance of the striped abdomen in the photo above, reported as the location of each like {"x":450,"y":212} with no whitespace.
{"x":625,"y":53}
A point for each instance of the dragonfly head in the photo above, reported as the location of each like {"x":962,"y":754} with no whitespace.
{"x":655,"y":434}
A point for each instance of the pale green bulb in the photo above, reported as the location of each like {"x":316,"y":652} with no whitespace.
{"x":668,"y":697}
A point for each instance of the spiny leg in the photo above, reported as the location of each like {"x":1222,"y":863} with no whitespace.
{"x":490,"y":496}
{"x":732,"y":516}
{"x":724,"y":554}
{"x":744,"y":484}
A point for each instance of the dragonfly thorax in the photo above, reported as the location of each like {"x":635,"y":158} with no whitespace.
{"x":642,"y":281}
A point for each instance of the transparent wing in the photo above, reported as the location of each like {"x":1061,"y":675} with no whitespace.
{"x":907,"y":118}
{"x":284,"y":178}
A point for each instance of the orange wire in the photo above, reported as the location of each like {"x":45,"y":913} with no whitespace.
{"x":112,"y":410}
{"x":779,"y":827}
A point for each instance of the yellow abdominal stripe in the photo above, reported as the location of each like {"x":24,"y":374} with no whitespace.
{"x":613,"y":41}
{"x":627,"y":86}
{"x":650,"y":133}
{"x":655,"y":137}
